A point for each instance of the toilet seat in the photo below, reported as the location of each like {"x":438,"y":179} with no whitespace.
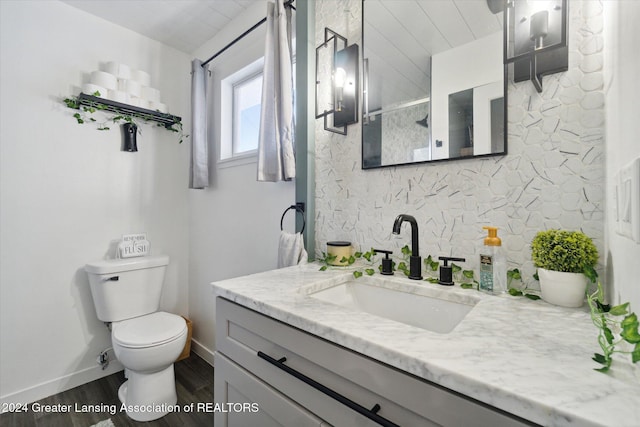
{"x":149,"y":330}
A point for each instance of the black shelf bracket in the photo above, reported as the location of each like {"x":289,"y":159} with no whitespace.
{"x":103,"y":104}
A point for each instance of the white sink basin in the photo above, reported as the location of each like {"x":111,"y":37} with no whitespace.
{"x":420,"y":305}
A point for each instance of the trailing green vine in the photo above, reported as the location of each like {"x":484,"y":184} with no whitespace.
{"x":466,"y":278}
{"x":402,"y":265}
{"x":85,"y":112}
{"x":607,"y":320}
{"x":471,"y":282}
{"x":328,"y":260}
{"x":513,"y":275}
{"x":369,"y":257}
{"x":85,"y":115}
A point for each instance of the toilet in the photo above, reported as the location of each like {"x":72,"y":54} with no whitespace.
{"x":126,"y":293}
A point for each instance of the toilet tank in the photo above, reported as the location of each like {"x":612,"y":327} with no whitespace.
{"x":126,"y":288}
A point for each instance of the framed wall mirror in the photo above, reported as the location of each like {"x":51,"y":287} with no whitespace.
{"x":433,"y":86}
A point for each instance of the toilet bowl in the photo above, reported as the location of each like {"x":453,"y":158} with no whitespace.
{"x":126,"y":294}
{"x":147,"y":346}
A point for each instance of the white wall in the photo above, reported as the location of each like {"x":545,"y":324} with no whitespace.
{"x":234,"y":225}
{"x":622,"y":91}
{"x":400,"y":134}
{"x":67,"y":191}
{"x":552,"y":177}
{"x":468,"y":66}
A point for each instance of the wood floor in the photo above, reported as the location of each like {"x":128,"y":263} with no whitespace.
{"x":194,"y":384}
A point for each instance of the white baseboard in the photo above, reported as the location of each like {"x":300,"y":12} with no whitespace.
{"x":202,"y":351}
{"x":64,"y":383}
{"x":75,"y":379}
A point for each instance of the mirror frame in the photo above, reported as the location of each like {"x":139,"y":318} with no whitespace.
{"x":364,"y":100}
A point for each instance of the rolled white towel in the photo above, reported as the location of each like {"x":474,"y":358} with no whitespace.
{"x":158,"y":106}
{"x":91,"y":89}
{"x":132,"y":87}
{"x":106,"y":80}
{"x":119,"y":96}
{"x":150,"y":94}
{"x":141,"y":77}
{"x":119,"y":70}
{"x":139,"y":102}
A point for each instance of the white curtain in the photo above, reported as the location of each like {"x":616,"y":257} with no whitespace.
{"x":199,"y":166}
{"x":276,"y":157}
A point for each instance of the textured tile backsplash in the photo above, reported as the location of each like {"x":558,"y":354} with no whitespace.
{"x":553,"y":176}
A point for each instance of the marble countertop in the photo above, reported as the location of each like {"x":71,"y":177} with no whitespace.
{"x":528,"y":358}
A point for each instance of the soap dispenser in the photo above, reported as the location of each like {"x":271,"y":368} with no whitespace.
{"x":493,"y":265}
{"x":446,"y":271}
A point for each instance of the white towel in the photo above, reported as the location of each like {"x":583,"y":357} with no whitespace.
{"x":291,"y":250}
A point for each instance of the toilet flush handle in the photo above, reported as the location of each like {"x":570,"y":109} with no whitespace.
{"x":112,"y":279}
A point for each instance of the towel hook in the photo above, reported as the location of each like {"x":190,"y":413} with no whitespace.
{"x":299,"y":207}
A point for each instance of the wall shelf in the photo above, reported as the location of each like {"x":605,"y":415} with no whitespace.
{"x":103,"y":104}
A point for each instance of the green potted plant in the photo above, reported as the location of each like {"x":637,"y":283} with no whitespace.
{"x":565,"y":260}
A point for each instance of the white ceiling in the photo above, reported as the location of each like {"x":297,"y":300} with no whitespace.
{"x":182,"y":24}
{"x":400,"y":36}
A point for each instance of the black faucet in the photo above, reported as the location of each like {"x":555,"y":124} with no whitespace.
{"x":415,"y":262}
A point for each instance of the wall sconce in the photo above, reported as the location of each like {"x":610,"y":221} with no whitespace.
{"x":536,"y":38}
{"x":336,"y":82}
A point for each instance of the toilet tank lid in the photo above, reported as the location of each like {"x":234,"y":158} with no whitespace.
{"x":108,"y":266}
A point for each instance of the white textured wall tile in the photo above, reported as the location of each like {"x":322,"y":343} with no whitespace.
{"x":552,"y":177}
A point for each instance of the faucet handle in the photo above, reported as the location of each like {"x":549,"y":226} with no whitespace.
{"x":446,"y":272}
{"x":387,"y":263}
{"x":382,"y":251}
{"x":446,"y":259}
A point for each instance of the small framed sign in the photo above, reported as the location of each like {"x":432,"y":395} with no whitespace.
{"x":133,"y":245}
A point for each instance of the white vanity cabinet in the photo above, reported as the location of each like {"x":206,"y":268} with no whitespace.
{"x":298,"y":379}
{"x":248,"y":401}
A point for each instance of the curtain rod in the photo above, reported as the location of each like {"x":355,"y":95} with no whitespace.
{"x":288,"y":3}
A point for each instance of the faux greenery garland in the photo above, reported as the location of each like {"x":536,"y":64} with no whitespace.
{"x":328,"y":259}
{"x":607,"y":319}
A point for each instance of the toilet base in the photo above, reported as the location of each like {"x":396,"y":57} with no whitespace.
{"x":149,"y":396}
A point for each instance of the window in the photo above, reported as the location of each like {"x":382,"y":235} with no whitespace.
{"x":247,"y":95}
{"x":240,"y":107}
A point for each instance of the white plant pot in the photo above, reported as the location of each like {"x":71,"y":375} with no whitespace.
{"x":563,"y":289}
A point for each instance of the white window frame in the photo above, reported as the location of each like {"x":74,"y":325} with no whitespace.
{"x":227,"y":156}
{"x":235,"y":119}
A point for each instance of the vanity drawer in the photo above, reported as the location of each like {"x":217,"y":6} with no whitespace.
{"x":260,"y":405}
{"x":403,"y":399}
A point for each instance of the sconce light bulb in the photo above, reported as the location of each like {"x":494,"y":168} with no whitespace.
{"x":339,"y":98}
{"x":340,"y":77}
{"x":539,"y":27}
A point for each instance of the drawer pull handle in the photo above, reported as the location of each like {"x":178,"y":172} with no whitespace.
{"x":371,"y":414}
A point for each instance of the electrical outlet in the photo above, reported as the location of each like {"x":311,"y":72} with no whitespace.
{"x":628,"y":201}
